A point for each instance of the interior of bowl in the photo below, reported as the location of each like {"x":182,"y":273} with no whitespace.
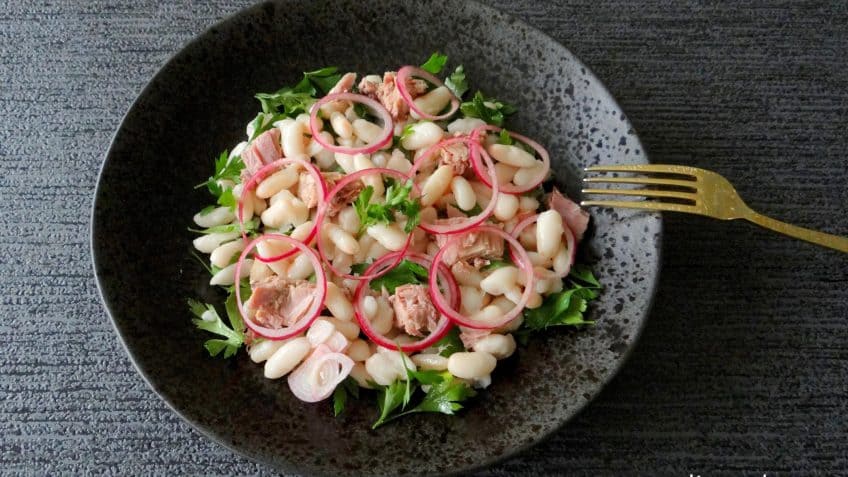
{"x":199,"y":104}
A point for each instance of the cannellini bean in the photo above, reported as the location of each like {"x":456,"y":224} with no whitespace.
{"x":301,"y":267}
{"x":223,"y":254}
{"x":345,"y":161}
{"x":282,"y":179}
{"x":527,"y":237}
{"x":209,"y":242}
{"x":380,"y":158}
{"x":366,"y":130}
{"x":467,"y":276}
{"x":489,"y":314}
{"x":293,"y":212}
{"x":463,"y":193}
{"x":263,"y":350}
{"x":512,"y":325}
{"x":359,"y":350}
{"x":430,"y":361}
{"x":382,"y":369}
{"x":375,"y":251}
{"x":259,"y":271}
{"x":504,"y":172}
{"x":325,"y":158}
{"x":227,"y":275}
{"x":538,"y":260}
{"x":436,"y":185}
{"x":319,"y":332}
{"x":341,"y":239}
{"x":472,"y":299}
{"x":400,"y":361}
{"x":349,"y":220}
{"x":341,"y":125}
{"x":428,"y":215}
{"x":526,"y":175}
{"x":365,"y":242}
{"x":215,"y":217}
{"x":361,"y":375}
{"x":503,"y":304}
{"x":240,"y":147}
{"x":384,"y":321}
{"x":512,"y":155}
{"x":361,"y":162}
{"x":350,"y":329}
{"x":272,"y":248}
{"x":562,"y":260}
{"x":527,"y":204}
{"x":350,"y":113}
{"x":471,"y":365}
{"x":422,"y":136}
{"x":535,"y":301}
{"x":513,"y":294}
{"x":369,"y":307}
{"x":301,"y":231}
{"x":549,"y":231}
{"x":556,"y":286}
{"x":247,"y":199}
{"x":287,"y":357}
{"x":338,"y":304}
{"x":465,"y":125}
{"x":483,"y":193}
{"x":259,"y":205}
{"x":506,"y":207}
{"x":399,"y":162}
{"x":292,"y":140}
{"x":433,"y":102}
{"x":499,"y":346}
{"x":284,"y":195}
{"x":303,"y":119}
{"x":389,"y":236}
{"x":500,"y":280}
{"x":342,"y":261}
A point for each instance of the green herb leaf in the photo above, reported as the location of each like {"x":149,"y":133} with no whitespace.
{"x":286,"y":103}
{"x":584,"y":274}
{"x":406,"y":272}
{"x":445,"y":396}
{"x":339,"y":400}
{"x":435,"y":63}
{"x":488,"y":109}
{"x":559,"y":309}
{"x":233,"y":335}
{"x":450,"y":343}
{"x":226,"y":168}
{"x":359,"y":268}
{"x":505,"y":138}
{"x":390,"y":398}
{"x":397,"y":199}
{"x":250,"y":227}
{"x":456,"y":82}
{"x":323,"y":79}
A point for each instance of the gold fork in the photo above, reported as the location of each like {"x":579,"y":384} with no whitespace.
{"x":694,"y":191}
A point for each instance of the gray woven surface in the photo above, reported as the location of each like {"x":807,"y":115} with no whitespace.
{"x":743,"y":367}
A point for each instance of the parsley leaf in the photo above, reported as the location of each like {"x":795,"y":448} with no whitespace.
{"x":445,"y":396}
{"x":342,"y":391}
{"x":389,"y":399}
{"x":359,"y":268}
{"x":489,"y":110}
{"x":209,"y":320}
{"x":456,"y":82}
{"x":291,"y":101}
{"x":450,"y":344}
{"x":226,"y":168}
{"x":565,"y":308}
{"x":323,"y":79}
{"x":406,"y":272}
{"x":505,"y":138}
{"x":435,"y":63}
{"x":250,"y":227}
{"x":264,"y":122}
{"x":584,"y":274}
{"x":397,"y":199}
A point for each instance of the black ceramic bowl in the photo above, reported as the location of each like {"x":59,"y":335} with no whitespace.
{"x":198,"y":105}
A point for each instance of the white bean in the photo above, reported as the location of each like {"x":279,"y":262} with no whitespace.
{"x":349,"y":220}
{"x":341,"y":125}
{"x":342,"y":262}
{"x":259,"y":271}
{"x":483,"y":193}
{"x":527,"y":204}
{"x":301,"y":267}
{"x":209,"y":242}
{"x":562,"y":260}
{"x":338,"y":304}
{"x":345,"y":161}
{"x":512,"y":155}
{"x":325,"y":158}
{"x":512,"y":325}
{"x":504,"y":172}
{"x":549,"y":231}
{"x":263,"y":350}
{"x":430,"y":361}
{"x":350,"y":113}
{"x":284,"y":195}
{"x":223,"y":254}
{"x":384,"y":321}
{"x":382,"y":369}
{"x":359,"y":350}
{"x":247,"y":199}
{"x":422,"y":136}
{"x":506,"y":207}
{"x":361,"y":375}
{"x":240,"y":147}
{"x":341,"y":239}
{"x":436,"y":185}
{"x":466,"y":275}
{"x":366,"y":130}
{"x":389,"y":236}
{"x":287,"y":357}
{"x":365,"y":243}
{"x":525,"y":176}
{"x":292,"y":140}
{"x":292,"y":212}
{"x":499,"y":346}
{"x":433,"y":102}
{"x":362,"y":162}
{"x":259,"y":205}
{"x":527,"y":237}
{"x":369,"y":307}
{"x":282,"y":179}
{"x":227,"y":275}
{"x":319,"y":332}
{"x":472,"y":299}
{"x":500,"y":280}
{"x":272,"y":248}
{"x":399,"y":162}
{"x":538,"y":260}
{"x":301,"y":231}
{"x":215,"y":217}
{"x":489,"y":314}
{"x":504,"y":304}
{"x":465,"y":125}
{"x":471,"y":365}
{"x":463,"y":193}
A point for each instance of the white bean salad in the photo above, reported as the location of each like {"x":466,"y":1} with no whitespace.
{"x":379,"y":232}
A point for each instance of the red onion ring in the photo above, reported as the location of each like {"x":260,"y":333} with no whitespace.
{"x":317,"y":303}
{"x":570,"y":244}
{"x":406,"y":73}
{"x":344,"y":181}
{"x":445,"y":324}
{"x":471,"y":222}
{"x":261,"y":175}
{"x":385,"y":134}
{"x":509,"y":187}
{"x":523,"y":263}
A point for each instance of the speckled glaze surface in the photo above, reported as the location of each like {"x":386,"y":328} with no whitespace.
{"x":198,"y":105}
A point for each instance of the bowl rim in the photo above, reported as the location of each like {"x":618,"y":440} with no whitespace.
{"x":287,"y":465}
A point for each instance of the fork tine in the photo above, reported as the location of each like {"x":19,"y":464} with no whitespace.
{"x":643,"y":193}
{"x":647,"y":168}
{"x":642,"y":204}
{"x":641,"y":180}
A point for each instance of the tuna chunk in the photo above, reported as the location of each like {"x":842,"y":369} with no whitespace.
{"x":344,"y":85}
{"x":344,"y":197}
{"x":262,"y":151}
{"x":308,"y":192}
{"x":470,"y":336}
{"x":414,"y":312}
{"x":278,"y":302}
{"x":573,"y":216}
{"x":473,"y":245}
{"x":456,"y":156}
{"x":386,"y":92}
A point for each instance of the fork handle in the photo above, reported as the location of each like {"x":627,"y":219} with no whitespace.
{"x":826,"y":240}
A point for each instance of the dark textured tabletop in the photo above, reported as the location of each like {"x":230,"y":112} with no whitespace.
{"x":743,"y":366}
